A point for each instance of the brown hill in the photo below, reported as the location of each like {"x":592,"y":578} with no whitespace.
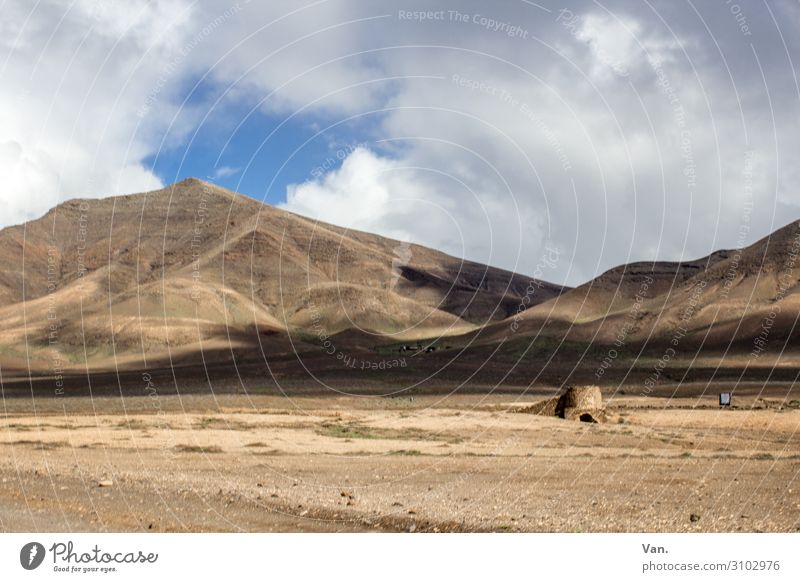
{"x":722,"y":302}
{"x":130,"y":279}
{"x":197,"y":274}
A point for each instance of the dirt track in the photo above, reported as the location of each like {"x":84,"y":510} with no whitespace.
{"x":460,"y":463}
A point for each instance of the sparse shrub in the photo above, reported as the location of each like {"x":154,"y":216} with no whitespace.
{"x":197,"y":449}
{"x":762,"y":457}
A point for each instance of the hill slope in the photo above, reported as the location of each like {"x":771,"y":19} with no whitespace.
{"x":193,"y":272}
{"x":723,"y":302}
{"x":121,"y":280}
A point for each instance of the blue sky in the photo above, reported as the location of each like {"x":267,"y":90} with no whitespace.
{"x":253,"y":151}
{"x":252,"y":154}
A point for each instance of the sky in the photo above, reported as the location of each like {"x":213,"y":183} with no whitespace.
{"x":504,"y":132}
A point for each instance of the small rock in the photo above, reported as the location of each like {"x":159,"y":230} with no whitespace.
{"x":106,"y":483}
{"x":694,"y":518}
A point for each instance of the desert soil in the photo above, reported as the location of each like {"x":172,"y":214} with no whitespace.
{"x":427,"y":463}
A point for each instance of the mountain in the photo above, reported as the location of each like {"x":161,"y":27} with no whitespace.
{"x":196,"y":276}
{"x":721,"y":303}
{"x":122,"y":281}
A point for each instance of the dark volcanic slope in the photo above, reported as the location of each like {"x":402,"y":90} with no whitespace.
{"x":193,"y":265}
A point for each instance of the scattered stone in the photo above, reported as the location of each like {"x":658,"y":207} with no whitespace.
{"x":694,"y":518}
{"x":542,"y":408}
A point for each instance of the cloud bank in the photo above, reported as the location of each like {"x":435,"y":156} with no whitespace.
{"x":613,"y":132}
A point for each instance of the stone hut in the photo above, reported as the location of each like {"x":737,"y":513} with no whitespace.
{"x":583,"y":403}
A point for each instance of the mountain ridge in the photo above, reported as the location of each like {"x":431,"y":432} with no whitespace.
{"x":193,"y":268}
{"x":172,"y":267}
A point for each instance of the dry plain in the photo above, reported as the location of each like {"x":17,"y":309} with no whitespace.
{"x":451,"y":462}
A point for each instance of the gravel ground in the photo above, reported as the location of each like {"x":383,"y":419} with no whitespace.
{"x":464,"y":463}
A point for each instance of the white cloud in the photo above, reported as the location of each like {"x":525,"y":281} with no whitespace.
{"x":357,"y":195}
{"x":620,"y":137}
{"x":412,"y":202}
{"x":619,"y":43}
{"x":375,"y":193}
{"x":224,"y":172}
{"x":612,"y":42}
{"x":655,"y":156}
{"x":72,"y":80}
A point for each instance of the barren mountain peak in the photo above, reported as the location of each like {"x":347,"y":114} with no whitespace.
{"x":193,"y":263}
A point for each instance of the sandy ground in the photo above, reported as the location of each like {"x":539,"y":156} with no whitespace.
{"x":456,"y":463}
